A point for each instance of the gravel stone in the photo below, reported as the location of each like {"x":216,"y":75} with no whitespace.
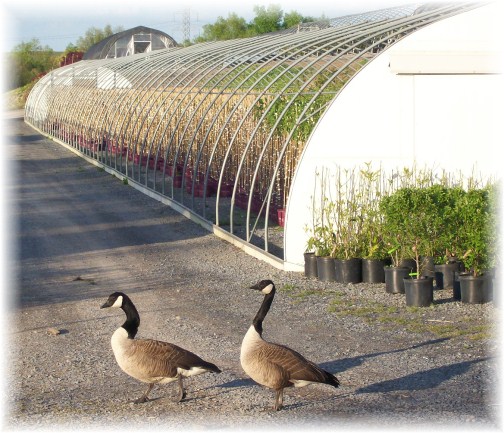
{"x":82,"y":235}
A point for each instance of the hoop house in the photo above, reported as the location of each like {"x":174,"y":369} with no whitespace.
{"x":217,"y":129}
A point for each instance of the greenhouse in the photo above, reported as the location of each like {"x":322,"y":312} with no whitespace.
{"x":231,"y":133}
{"x":137,"y":40}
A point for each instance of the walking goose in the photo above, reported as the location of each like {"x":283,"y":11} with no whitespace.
{"x":273,"y":365}
{"x":151,"y":361}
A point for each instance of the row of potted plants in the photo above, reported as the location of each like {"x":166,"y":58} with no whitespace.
{"x":406,"y":229}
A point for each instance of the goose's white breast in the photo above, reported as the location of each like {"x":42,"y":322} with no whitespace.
{"x":250,"y":342}
{"x":121,"y":348}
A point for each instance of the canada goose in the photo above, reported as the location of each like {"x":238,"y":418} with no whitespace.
{"x":273,"y":365}
{"x":151,"y":361}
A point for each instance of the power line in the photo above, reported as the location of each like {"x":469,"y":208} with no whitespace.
{"x":53,"y":37}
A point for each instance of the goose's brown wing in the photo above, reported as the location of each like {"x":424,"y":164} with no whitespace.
{"x":295,"y":367}
{"x":159,"y":358}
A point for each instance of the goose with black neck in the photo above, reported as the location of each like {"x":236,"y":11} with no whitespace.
{"x":273,"y":365}
{"x":151,"y":361}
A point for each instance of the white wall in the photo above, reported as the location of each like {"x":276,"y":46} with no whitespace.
{"x":433,"y":98}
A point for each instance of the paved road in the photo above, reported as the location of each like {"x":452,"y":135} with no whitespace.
{"x":82,"y":234}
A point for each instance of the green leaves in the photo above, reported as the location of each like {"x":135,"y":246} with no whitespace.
{"x":266,"y":20}
{"x":442,"y":222}
{"x":478,"y":232}
{"x":30,"y":60}
{"x":364,"y":213}
{"x":94,"y":35}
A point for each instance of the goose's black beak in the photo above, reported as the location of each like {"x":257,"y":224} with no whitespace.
{"x":256,"y":286}
{"x":106,"y":305}
{"x":261,"y":285}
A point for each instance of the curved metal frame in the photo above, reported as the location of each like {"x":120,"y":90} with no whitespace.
{"x":207,"y":109}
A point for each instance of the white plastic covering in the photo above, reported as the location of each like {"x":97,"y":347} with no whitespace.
{"x":447,"y":120}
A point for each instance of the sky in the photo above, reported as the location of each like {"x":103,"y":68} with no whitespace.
{"x":57,"y":23}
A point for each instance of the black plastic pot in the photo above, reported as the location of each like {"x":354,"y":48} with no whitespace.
{"x":326,"y":269}
{"x":427,"y":266}
{"x":348,"y":270}
{"x":419,"y":291}
{"x":476,"y":290}
{"x":310,"y":265}
{"x":394,"y":278}
{"x":456,"y":285}
{"x":408,"y":263}
{"x":445,"y":275}
{"x":373,"y":271}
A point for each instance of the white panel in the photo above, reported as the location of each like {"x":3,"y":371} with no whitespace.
{"x":444,"y":62}
{"x":456,"y":121}
{"x":468,"y":43}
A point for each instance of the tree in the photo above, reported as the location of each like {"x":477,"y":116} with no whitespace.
{"x":94,"y":35}
{"x":30,"y":60}
{"x":70,"y":48}
{"x":270,"y":19}
{"x":292,"y":19}
{"x":267,"y":20}
{"x":232,"y":27}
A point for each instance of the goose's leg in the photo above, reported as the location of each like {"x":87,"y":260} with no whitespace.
{"x":145,"y":397}
{"x":182,"y":393}
{"x":278,"y":399}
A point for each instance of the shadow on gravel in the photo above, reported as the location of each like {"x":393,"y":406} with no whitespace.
{"x":421,"y":380}
{"x":237,"y":383}
{"x":340,"y":365}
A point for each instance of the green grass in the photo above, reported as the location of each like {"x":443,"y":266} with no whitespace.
{"x":287,"y":288}
{"x":415,"y":320}
{"x":301,"y":295}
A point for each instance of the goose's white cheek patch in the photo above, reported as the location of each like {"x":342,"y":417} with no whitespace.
{"x":267,"y":290}
{"x":118,"y":302}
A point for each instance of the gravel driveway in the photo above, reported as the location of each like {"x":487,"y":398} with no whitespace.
{"x":83,"y":234}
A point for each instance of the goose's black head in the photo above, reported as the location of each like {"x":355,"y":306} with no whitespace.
{"x":115,"y":300}
{"x":264,"y":286}
{"x":120,"y":300}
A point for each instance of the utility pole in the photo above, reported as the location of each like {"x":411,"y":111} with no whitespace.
{"x":186,"y":24}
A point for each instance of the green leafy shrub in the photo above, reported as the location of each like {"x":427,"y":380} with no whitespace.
{"x":478,"y":232}
{"x":412,"y":214}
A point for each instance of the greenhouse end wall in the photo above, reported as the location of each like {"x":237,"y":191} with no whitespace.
{"x":445,"y":121}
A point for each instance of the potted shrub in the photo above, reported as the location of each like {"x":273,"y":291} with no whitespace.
{"x":374,"y":260}
{"x":408,"y":214}
{"x":418,"y":286}
{"x":446,"y":242}
{"x":478,"y":236}
{"x":319,"y":247}
{"x":444,"y":273}
{"x":323,"y":245}
{"x":346,"y":252}
{"x":372,"y":247}
{"x":347,"y":216}
{"x":419,"y":229}
{"x":394,"y":211}
{"x":321,"y":242}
